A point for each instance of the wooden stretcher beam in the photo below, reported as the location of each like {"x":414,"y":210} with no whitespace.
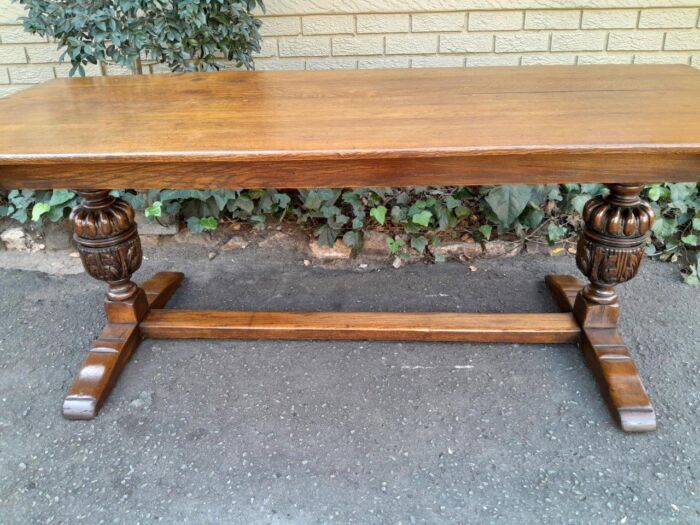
{"x":374,"y":326}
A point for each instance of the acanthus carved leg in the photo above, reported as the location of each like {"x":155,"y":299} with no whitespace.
{"x":610,"y":251}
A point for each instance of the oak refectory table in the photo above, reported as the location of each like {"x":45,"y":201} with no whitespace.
{"x":621,"y":125}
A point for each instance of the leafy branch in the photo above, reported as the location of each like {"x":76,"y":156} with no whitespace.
{"x":186,"y":35}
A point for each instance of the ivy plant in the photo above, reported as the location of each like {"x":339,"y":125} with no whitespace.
{"x":186,"y":35}
{"x":414,"y":220}
{"x":52,"y":205}
{"x":677,"y":227}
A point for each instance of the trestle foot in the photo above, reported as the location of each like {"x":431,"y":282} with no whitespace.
{"x":606,"y":355}
{"x":111,"y":351}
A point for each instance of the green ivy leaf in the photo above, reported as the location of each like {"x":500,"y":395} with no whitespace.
{"x":452,"y":203}
{"x":422,"y":218}
{"x":508,"y":202}
{"x":313,"y":200}
{"x":135,"y":201}
{"x":340,"y":220}
{"x":556,"y":232}
{"x":194,"y":225}
{"x":353,"y":239}
{"x":395,"y":244}
{"x":57,"y":213}
{"x":282,"y":199}
{"x":329,"y":211}
{"x":579,"y":201}
{"x":485,"y":230}
{"x":554,"y":193}
{"x":419,"y":243}
{"x":462,"y":212}
{"x":664,"y":227}
{"x":326,"y":235}
{"x":378,"y":214}
{"x":39,"y":209}
{"x":220,"y":198}
{"x":403,"y":198}
{"x":154,"y":210}
{"x":444,"y":217}
{"x":20,"y":215}
{"x":245,"y":204}
{"x":655,"y":192}
{"x":680,"y":192}
{"x":593,"y":189}
{"x":60,"y":197}
{"x":169,"y":195}
{"x":209,"y":223}
{"x":398,"y":214}
{"x":694,"y":277}
{"x":533,"y":218}
{"x":690,"y":240}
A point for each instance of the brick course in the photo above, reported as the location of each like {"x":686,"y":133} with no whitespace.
{"x":400,"y":23}
{"x":578,"y":41}
{"x":281,"y":26}
{"x":610,"y":19}
{"x":553,"y":19}
{"x":495,"y":20}
{"x":348,"y":34}
{"x":635,"y":40}
{"x":437,"y":22}
{"x":522,"y":41}
{"x":411,"y":44}
{"x":328,"y":25}
{"x":358,"y":45}
{"x":661,"y":18}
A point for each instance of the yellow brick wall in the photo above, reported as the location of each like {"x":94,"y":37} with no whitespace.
{"x":334,"y":34}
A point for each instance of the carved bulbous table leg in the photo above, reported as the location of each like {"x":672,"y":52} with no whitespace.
{"x":107,"y":239}
{"x":611,"y":248}
{"x":610,"y":251}
{"x":108,"y":242}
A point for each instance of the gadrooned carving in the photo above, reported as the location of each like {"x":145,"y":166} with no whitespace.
{"x":108,"y":242}
{"x":616,"y":229}
{"x":604,"y":217}
{"x":103,"y":222}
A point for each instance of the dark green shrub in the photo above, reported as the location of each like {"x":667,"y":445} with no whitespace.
{"x":187,"y":35}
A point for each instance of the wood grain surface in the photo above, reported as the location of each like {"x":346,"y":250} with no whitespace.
{"x":373,"y":326}
{"x":353,"y":128}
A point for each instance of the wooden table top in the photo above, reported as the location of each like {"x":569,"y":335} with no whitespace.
{"x":389,"y":113}
{"x":380,"y":114}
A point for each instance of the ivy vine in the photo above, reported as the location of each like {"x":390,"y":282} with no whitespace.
{"x":414,"y":219}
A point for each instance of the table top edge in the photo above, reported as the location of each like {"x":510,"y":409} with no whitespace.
{"x":234,"y":156}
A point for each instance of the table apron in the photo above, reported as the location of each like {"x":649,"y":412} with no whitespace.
{"x":356,"y":173}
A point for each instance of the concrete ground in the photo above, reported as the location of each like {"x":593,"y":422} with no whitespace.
{"x":342,"y":432}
